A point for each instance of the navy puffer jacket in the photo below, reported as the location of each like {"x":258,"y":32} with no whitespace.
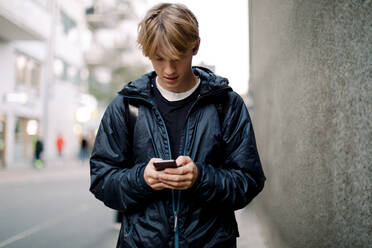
{"x":224,"y":150}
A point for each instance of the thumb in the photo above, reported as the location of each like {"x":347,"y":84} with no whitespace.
{"x":183,"y":160}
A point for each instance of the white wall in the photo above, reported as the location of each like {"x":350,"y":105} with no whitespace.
{"x":7,"y":67}
{"x":61,"y":119}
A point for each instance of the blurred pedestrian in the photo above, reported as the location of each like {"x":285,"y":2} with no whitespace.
{"x":60,"y":143}
{"x":184,"y":113}
{"x":83,"y":149}
{"x":38,"y":149}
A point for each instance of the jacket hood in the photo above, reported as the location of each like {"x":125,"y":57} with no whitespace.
{"x":210,"y":83}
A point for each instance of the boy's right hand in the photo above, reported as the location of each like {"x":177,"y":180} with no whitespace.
{"x":152,"y":176}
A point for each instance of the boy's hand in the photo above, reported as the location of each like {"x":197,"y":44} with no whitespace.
{"x":182,"y":177}
{"x":152,"y":176}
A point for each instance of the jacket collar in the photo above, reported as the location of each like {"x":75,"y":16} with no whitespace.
{"x":210,"y":84}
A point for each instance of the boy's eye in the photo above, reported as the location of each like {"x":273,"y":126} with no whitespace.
{"x":159,"y":59}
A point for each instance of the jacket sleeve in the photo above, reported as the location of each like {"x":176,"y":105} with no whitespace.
{"x":114,"y":178}
{"x":241,"y":176}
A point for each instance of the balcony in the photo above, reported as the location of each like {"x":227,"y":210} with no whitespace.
{"x":24,"y":20}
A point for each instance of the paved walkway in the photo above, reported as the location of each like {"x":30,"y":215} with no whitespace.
{"x":56,"y":170}
{"x":250,"y":229}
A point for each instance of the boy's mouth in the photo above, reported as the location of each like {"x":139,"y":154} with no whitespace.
{"x":170,"y":79}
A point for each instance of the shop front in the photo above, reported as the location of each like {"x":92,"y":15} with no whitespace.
{"x":25,"y":134}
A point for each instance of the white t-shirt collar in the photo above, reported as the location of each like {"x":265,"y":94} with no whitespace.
{"x":172,"y":96}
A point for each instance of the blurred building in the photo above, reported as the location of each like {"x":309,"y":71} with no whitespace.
{"x":43,"y":83}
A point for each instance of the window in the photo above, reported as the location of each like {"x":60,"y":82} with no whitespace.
{"x":27,"y":74}
{"x":67,"y":22}
{"x":66,"y":72}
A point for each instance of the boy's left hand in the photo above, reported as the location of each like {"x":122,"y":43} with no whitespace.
{"x":182,"y":177}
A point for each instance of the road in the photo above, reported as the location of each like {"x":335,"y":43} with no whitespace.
{"x":53,"y":208}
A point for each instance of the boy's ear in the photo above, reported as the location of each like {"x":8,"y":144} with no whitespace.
{"x":196,"y":48}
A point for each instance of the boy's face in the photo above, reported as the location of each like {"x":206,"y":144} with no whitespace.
{"x":175,"y":75}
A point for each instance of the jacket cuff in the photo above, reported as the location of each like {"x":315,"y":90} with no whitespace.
{"x":141,"y":180}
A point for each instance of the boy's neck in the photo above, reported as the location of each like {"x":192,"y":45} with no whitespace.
{"x":190,"y":82}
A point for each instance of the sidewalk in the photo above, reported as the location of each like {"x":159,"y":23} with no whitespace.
{"x":250,"y":228}
{"x":55,"y":170}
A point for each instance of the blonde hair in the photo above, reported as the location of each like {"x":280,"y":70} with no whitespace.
{"x":168,"y":30}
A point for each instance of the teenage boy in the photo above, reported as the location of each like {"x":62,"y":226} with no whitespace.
{"x":184,"y":113}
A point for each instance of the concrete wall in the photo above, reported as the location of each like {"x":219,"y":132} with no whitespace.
{"x":311,"y":80}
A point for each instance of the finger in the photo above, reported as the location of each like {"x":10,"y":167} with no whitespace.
{"x":154,"y":175}
{"x":158,"y":186}
{"x":152,"y":181}
{"x":154,"y":159}
{"x":183,"y":160}
{"x":175,"y":178}
{"x":150,"y":164}
{"x":179,"y":185}
{"x":182,"y":170}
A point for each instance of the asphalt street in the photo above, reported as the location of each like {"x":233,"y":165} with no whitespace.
{"x":52,"y":207}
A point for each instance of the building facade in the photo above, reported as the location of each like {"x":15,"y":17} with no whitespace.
{"x":43,"y":78}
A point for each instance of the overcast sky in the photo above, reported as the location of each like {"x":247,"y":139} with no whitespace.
{"x":223,"y":29}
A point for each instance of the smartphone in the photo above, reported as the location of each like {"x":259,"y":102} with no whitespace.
{"x":163,"y":164}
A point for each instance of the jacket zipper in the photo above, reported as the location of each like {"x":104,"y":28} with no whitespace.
{"x":176,"y":211}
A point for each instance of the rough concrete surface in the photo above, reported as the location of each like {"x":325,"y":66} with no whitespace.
{"x":311,"y":81}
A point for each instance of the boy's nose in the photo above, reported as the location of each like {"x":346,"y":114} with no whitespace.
{"x":170,"y":68}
